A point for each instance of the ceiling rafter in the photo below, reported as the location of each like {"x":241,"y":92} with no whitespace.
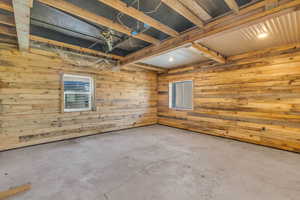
{"x":232,"y":4}
{"x":9,"y":31}
{"x":197,"y":9}
{"x":184,"y":11}
{"x":74,"y":47}
{"x":89,"y":16}
{"x":196,"y":33}
{"x":22,"y":20}
{"x":209,"y":53}
{"x":132,"y":12}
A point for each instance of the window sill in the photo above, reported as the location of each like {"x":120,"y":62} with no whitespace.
{"x":79,"y":110}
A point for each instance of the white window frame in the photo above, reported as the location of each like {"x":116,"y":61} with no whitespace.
{"x":70,"y":92}
{"x":171,"y":95}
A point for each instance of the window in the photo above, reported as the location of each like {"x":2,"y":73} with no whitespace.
{"x":181,"y":95}
{"x":78,"y":92}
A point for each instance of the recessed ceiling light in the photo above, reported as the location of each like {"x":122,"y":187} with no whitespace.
{"x":171,"y":59}
{"x":262,"y":35}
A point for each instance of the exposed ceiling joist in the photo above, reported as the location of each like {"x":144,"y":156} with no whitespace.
{"x":12,"y":32}
{"x":232,"y":4}
{"x":197,"y":9}
{"x":74,"y":47}
{"x":271,"y":4}
{"x":184,"y":11}
{"x":7,"y":20}
{"x":132,"y":12}
{"x":209,"y":53}
{"x":89,"y":16}
{"x":6,"y":5}
{"x":196,"y":33}
{"x":150,"y":67}
{"x":22,"y":20}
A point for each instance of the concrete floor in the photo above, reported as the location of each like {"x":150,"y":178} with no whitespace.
{"x":152,"y":163}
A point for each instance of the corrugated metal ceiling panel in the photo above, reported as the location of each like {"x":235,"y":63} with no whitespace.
{"x":181,"y":56}
{"x":281,"y":30}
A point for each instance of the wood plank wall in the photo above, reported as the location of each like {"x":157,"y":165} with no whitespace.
{"x":254,"y":99}
{"x":31,"y":106}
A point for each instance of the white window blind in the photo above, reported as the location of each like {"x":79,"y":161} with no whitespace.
{"x":78,"y":91}
{"x":181,"y":95}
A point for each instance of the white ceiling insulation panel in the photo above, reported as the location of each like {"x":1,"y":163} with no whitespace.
{"x":281,"y":30}
{"x":179,"y":57}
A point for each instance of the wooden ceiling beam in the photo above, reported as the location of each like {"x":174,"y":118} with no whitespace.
{"x":7,"y":20}
{"x":197,"y":9}
{"x":132,"y":12}
{"x":232,"y":4}
{"x":209,"y":53}
{"x":22,"y":20}
{"x":184,"y":11}
{"x":197,"y":34}
{"x":6,"y":5}
{"x":89,"y":16}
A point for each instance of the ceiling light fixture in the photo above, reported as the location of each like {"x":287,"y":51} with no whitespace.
{"x":262,"y":35}
{"x":171,"y":59}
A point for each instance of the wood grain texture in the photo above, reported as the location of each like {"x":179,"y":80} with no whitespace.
{"x":6,"y":5}
{"x":254,"y":99}
{"x":7,"y":20}
{"x":30,"y":102}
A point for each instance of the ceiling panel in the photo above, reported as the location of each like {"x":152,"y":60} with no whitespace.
{"x":182,"y":56}
{"x":281,"y":30}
